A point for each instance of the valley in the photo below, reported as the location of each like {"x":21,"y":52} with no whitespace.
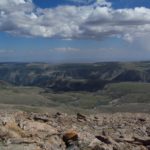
{"x":98,"y":87}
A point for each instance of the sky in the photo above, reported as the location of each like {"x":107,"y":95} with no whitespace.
{"x":60,"y":31}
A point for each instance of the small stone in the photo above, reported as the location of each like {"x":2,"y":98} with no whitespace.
{"x":43,"y":118}
{"x":81,"y":117}
{"x":142,"y":119}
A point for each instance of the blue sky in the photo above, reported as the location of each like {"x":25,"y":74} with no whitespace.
{"x":58,"y":31}
{"x":115,"y":3}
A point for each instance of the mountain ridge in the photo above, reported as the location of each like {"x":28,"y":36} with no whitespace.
{"x":74,"y":77}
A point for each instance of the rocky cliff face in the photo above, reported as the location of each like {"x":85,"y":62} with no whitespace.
{"x":74,"y":77}
{"x":31,"y":131}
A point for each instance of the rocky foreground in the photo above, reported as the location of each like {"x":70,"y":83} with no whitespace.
{"x":31,"y":131}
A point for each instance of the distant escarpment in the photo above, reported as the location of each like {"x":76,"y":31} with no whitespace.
{"x":74,"y":77}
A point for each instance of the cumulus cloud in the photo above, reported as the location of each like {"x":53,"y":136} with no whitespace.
{"x":96,"y":21}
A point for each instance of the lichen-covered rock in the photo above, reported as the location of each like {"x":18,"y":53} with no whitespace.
{"x":39,"y":129}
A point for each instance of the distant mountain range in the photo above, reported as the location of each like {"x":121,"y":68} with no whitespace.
{"x":74,"y":77}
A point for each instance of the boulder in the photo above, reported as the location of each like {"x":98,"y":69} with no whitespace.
{"x":71,"y":138}
{"x":39,"y":129}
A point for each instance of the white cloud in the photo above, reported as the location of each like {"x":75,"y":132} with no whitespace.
{"x":2,"y":51}
{"x":11,"y":2}
{"x":82,"y":1}
{"x":67,"y":49}
{"x":87,"y":2}
{"x":96,"y":21}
